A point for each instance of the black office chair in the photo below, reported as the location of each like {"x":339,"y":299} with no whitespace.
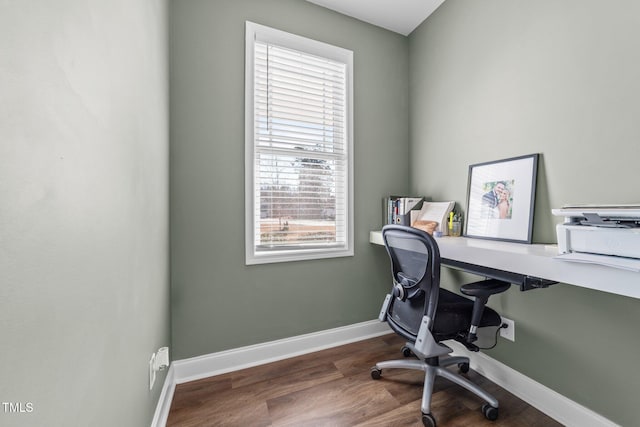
{"x":424,"y":314}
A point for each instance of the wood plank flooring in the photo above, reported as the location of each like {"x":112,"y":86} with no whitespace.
{"x":333,"y":388}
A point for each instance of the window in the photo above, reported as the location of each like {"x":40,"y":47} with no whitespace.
{"x":298,"y":148}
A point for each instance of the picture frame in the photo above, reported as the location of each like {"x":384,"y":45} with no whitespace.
{"x":501,"y":199}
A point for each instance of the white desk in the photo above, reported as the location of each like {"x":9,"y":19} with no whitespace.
{"x":535,"y":261}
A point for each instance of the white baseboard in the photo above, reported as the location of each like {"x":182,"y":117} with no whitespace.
{"x":164,"y":401}
{"x":552,"y":403}
{"x":555,"y":405}
{"x":209,"y":365}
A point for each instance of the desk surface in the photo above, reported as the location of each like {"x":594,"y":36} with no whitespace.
{"x":534,"y":260}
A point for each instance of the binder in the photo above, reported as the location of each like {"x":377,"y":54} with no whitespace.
{"x":398,"y":209}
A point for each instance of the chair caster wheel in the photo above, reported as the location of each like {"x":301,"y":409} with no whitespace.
{"x":428,"y":420}
{"x":463,"y":367}
{"x":406,"y":351}
{"x":490,"y":412}
{"x":376,"y":373}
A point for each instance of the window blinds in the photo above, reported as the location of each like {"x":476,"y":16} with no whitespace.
{"x":300,"y":149}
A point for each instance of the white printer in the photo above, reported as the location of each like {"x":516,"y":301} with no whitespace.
{"x":600,"y":229}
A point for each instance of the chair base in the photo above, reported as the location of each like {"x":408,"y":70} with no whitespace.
{"x":434,"y":367}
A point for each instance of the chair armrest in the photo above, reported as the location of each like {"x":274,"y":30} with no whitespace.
{"x":484,"y":288}
{"x":481,"y":291}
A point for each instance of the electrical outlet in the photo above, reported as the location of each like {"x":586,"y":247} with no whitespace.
{"x":162,"y":359}
{"x":509,"y":332}
{"x":152,"y":371}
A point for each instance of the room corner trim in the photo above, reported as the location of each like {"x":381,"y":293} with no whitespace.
{"x":164,"y":401}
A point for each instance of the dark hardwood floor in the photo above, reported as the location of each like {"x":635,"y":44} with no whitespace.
{"x":334,"y":388}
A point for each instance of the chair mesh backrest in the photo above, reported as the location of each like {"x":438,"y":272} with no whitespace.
{"x":415,"y":265}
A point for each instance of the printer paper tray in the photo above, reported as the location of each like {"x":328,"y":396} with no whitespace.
{"x":631,"y":264}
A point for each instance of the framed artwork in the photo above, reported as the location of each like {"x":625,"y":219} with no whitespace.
{"x":500,"y":199}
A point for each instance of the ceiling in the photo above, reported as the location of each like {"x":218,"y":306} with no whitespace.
{"x":400,"y":16}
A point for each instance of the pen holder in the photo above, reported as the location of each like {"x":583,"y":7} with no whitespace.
{"x":456,"y":229}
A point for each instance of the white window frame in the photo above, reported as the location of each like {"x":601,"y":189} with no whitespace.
{"x":256,"y":31}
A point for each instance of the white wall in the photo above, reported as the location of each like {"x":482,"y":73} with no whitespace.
{"x":83,"y":209}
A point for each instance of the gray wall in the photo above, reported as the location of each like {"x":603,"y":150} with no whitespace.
{"x":501,"y":78}
{"x":84,"y":283}
{"x":217,"y":302}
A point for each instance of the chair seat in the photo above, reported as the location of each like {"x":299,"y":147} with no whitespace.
{"x":453,"y":315}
